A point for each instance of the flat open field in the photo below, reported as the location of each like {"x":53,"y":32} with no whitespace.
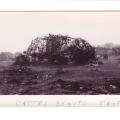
{"x":73,"y":80}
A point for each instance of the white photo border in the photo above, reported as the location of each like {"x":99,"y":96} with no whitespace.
{"x":59,"y":100}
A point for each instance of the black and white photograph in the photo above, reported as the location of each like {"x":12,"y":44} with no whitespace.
{"x":60,"y":53}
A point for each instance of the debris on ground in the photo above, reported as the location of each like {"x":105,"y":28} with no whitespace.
{"x":22,"y":80}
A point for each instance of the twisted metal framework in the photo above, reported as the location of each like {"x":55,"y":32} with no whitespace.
{"x":57,"y":43}
{"x":37,"y":45}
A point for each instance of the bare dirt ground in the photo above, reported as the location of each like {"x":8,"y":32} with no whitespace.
{"x":74,"y":80}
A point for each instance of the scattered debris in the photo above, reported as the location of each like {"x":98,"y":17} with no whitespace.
{"x":26,"y":81}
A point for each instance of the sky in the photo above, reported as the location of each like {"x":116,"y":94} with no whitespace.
{"x":18,"y":29}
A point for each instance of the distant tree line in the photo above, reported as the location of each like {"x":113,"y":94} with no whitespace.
{"x":108,"y":49}
{"x":5,"y":56}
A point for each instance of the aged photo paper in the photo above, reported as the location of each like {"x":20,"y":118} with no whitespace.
{"x":58,"y":58}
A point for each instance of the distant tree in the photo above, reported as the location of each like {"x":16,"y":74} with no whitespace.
{"x":4,"y":56}
{"x":109,"y":45}
{"x":116,"y":51}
